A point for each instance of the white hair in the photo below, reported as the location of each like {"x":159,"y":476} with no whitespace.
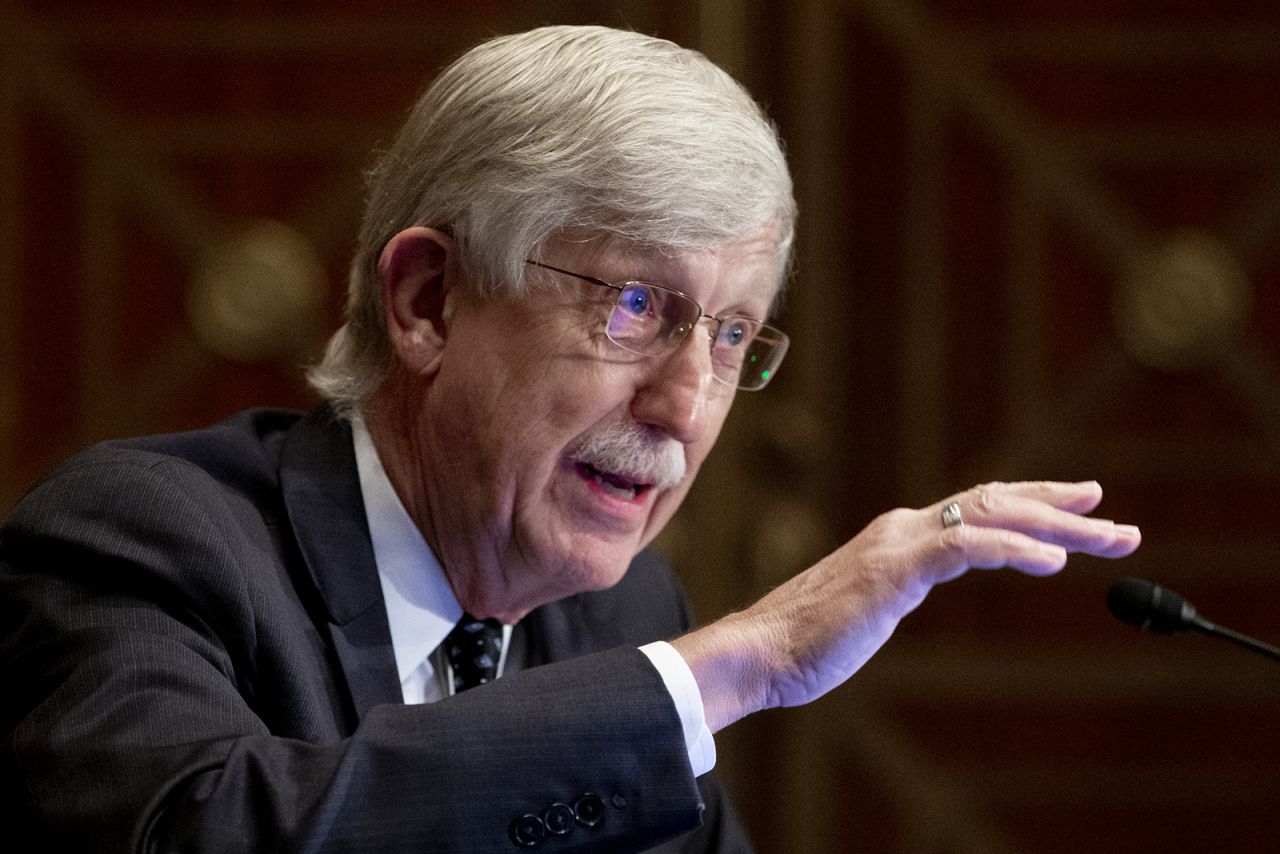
{"x":562,"y":129}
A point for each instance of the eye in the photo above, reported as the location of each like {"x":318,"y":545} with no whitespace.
{"x":636,"y":300}
{"x":733,"y":333}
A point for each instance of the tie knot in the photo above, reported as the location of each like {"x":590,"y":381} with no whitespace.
{"x":474,"y":648}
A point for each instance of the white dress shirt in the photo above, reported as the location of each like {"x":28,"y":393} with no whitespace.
{"x":422,"y":608}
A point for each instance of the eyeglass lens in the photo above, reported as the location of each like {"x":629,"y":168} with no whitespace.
{"x":649,"y":320}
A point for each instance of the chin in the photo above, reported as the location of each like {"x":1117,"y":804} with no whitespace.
{"x":597,"y":567}
{"x":575,"y":561}
{"x":601,"y":576}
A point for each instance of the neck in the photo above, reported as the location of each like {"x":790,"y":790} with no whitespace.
{"x":412,"y":460}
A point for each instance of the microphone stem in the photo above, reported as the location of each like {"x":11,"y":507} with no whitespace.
{"x":1242,"y":640}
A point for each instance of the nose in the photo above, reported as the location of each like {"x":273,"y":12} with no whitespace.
{"x":675,"y":393}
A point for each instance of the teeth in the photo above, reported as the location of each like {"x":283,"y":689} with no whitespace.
{"x":625,"y":493}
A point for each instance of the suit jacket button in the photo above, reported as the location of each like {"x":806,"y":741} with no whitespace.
{"x":527,"y":831}
{"x":558,"y":819}
{"x":588,"y":810}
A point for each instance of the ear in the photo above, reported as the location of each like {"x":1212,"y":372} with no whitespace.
{"x":417,"y":271}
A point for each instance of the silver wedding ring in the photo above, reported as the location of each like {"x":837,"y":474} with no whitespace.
{"x":951,"y":516}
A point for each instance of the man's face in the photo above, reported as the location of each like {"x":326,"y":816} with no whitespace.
{"x":524,"y":506}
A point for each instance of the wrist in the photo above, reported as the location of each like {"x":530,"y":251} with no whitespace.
{"x":729,"y":663}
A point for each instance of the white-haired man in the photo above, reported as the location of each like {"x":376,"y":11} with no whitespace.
{"x":276,"y":633}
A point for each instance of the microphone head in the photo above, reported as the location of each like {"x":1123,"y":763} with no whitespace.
{"x":1149,"y":606}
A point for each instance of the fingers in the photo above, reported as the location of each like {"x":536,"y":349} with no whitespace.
{"x":1082,"y":497}
{"x":971,"y":547}
{"x":1011,"y":510}
{"x":1031,"y":526}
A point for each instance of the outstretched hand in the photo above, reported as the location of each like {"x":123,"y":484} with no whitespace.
{"x":815,"y":631}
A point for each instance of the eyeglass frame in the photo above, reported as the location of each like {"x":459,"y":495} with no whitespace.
{"x":780,"y":345}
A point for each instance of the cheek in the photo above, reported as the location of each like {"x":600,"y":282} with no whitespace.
{"x":717,"y":413}
{"x":530,"y":417}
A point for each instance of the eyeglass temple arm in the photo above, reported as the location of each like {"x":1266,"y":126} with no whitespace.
{"x":592,"y":279}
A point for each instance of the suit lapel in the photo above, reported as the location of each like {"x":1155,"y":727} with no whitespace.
{"x":321,"y":489}
{"x":562,"y":630}
{"x":644,"y":606}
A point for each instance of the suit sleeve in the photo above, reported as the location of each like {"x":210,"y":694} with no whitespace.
{"x":165,"y":690}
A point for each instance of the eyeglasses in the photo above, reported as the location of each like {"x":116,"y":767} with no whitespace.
{"x":651,"y":320}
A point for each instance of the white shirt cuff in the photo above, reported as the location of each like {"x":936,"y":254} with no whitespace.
{"x":683,"y":689}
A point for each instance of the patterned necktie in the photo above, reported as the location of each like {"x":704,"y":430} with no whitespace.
{"x":474,"y":648}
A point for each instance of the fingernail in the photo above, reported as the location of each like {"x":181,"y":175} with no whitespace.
{"x":1128,"y":530}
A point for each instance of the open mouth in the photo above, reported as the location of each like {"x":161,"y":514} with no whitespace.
{"x":617,"y":485}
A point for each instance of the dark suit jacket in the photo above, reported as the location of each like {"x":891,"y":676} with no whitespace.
{"x":194,"y":655}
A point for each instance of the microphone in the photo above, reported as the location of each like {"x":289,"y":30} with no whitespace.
{"x":1149,"y":606}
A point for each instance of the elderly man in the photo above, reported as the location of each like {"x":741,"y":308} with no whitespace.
{"x":275,"y":633}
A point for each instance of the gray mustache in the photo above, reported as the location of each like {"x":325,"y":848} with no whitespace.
{"x":631,"y":451}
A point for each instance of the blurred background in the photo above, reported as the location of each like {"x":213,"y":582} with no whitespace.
{"x":1038,"y":240}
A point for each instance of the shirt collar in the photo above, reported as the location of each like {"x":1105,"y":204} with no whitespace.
{"x":421,"y":606}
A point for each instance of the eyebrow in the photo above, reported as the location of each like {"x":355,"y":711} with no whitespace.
{"x":618,"y":281}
